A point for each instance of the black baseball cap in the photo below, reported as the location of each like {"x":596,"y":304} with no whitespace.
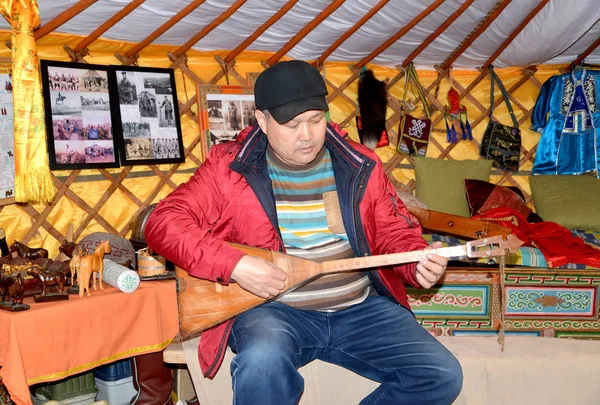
{"x":290,"y":88}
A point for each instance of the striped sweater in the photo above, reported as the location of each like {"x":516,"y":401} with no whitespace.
{"x":310,"y":224}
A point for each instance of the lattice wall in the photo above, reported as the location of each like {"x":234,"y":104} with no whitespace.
{"x":120,"y":195}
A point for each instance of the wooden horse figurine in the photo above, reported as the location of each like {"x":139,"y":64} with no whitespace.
{"x":47,"y":278}
{"x":76,"y":255}
{"x":13,"y":288}
{"x":90,"y":264}
{"x":25,"y":251}
{"x":67,"y":248}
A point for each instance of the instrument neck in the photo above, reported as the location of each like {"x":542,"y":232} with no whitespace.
{"x":356,"y":263}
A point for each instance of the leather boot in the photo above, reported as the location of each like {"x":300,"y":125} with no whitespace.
{"x":151,"y":379}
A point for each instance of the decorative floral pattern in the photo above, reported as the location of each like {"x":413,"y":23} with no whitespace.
{"x":441,"y":298}
{"x":539,"y":301}
{"x":129,"y":282}
{"x":589,"y":88}
{"x":567,"y":97}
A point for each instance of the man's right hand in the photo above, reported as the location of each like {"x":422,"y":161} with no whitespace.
{"x":259,"y":276}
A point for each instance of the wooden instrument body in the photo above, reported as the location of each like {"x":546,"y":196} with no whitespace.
{"x":228,"y":301}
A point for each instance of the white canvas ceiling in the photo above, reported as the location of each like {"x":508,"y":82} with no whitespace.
{"x":560,"y":32}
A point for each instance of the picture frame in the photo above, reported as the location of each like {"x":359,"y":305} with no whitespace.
{"x":146,"y":112}
{"x":80,"y":129}
{"x":224,"y":112}
{"x":7,"y":138}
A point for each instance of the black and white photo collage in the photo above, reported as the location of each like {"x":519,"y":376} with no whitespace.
{"x":147,"y":115}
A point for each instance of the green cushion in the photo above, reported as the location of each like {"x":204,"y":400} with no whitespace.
{"x":441,"y":183}
{"x":571,"y":201}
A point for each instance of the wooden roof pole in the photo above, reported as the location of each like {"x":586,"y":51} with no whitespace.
{"x":356,"y":68}
{"x":498,"y":8}
{"x":214,"y":24}
{"x":428,"y":41}
{"x":163,"y":28}
{"x":502,"y":47}
{"x":304,"y":31}
{"x":514,"y":34}
{"x":399,"y":34}
{"x":275,"y":17}
{"x":107,"y":25}
{"x":62,"y":18}
{"x":349,"y":33}
{"x":228,"y":63}
{"x":586,"y":53}
{"x":437,"y":32}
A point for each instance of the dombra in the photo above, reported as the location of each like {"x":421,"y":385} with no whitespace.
{"x":204,"y":304}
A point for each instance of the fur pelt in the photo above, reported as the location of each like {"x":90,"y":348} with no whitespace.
{"x":372,"y":105}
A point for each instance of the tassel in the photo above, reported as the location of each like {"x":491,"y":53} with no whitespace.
{"x":448,"y":133}
{"x":463,"y":131}
{"x":34,"y":186}
{"x":384,"y":140}
{"x":469,"y":132}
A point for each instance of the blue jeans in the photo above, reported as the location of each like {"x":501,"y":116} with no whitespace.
{"x":377,"y":339}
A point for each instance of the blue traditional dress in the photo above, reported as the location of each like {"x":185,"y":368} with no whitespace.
{"x":566,"y":114}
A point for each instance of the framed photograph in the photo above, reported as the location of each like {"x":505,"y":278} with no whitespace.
{"x":7,"y":138}
{"x":147,"y":115}
{"x":224,"y":112}
{"x":79,"y":119}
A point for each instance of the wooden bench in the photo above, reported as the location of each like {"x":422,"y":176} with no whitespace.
{"x":531,"y":370}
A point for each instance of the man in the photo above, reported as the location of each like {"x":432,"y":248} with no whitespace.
{"x":294,"y":184}
{"x":213,"y":112}
{"x":166,"y":104}
{"x":124,"y":80}
{"x":233,"y":117}
{"x":70,"y":152}
{"x":126,"y":92}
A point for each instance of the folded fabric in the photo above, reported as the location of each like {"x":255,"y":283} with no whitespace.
{"x":556,"y":242}
{"x":483,"y":196}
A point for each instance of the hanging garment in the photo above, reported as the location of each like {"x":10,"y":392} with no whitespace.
{"x":566,"y":114}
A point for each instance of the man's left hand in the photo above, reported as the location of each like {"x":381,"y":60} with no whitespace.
{"x":431,"y":267}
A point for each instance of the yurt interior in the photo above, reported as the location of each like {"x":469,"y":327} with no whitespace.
{"x":483,"y":116}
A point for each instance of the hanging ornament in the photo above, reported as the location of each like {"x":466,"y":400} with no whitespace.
{"x":372,"y":107}
{"x":454,"y":111}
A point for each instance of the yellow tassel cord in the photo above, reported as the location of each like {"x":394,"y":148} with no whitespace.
{"x":37,"y":184}
{"x":33,"y":182}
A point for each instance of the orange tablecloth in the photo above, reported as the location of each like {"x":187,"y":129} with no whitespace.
{"x":54,"y":340}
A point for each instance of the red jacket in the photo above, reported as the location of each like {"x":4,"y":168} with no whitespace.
{"x":230,"y":199}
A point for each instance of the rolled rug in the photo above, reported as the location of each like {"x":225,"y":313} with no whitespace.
{"x":120,"y":277}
